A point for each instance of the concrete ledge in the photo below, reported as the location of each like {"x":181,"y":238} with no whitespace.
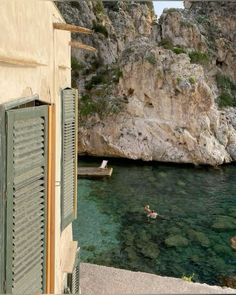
{"x":96,"y":279}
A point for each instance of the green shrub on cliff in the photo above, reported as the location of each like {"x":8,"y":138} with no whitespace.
{"x":117,"y":74}
{"x":226,"y":99}
{"x":104,"y":77}
{"x":192,"y":80}
{"x":188,"y":278}
{"x":198,"y":57}
{"x":223,"y":82}
{"x":178,"y":50}
{"x":75,"y":65}
{"x":98,"y":7}
{"x":228,"y":91}
{"x":103,"y":106}
{"x":151,"y":59}
{"x":99,"y":28}
{"x":166,"y":43}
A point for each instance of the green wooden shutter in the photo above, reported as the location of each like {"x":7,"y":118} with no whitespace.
{"x":69,"y":156}
{"x":27,"y":131}
{"x":73,"y":282}
{"x":2,"y":197}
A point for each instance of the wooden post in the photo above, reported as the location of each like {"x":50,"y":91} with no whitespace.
{"x":50,"y":273}
{"x":20,"y":61}
{"x":79,"y":45}
{"x":71,"y":28}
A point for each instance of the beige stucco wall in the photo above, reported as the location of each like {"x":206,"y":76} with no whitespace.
{"x":27,"y":35}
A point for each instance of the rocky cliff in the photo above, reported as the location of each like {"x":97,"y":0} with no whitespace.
{"x":157,"y":90}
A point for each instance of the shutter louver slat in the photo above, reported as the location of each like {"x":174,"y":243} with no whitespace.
{"x":22,"y":140}
{"x":31,"y":187}
{"x":30,"y":175}
{"x":73,"y":282}
{"x":21,"y":272}
{"x":19,"y":244}
{"x":24,"y":284}
{"x":21,"y":248}
{"x":27,"y":191}
{"x":69,"y":155}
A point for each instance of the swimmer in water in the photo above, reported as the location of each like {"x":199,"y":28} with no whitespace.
{"x":150,"y":213}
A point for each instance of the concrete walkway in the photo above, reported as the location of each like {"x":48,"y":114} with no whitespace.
{"x":96,"y":279}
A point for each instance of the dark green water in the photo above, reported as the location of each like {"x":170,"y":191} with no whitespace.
{"x":198,"y":206}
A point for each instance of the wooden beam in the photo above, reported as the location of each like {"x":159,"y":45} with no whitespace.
{"x":50,"y":270}
{"x":79,"y":45}
{"x":20,"y":61}
{"x":71,"y":28}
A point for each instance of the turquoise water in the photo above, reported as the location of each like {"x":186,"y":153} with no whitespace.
{"x":192,"y":237}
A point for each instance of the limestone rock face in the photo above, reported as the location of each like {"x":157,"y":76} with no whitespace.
{"x":157,"y":90}
{"x":169,"y":115}
{"x":209,"y":27}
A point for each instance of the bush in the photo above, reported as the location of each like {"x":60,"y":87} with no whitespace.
{"x":112,"y":6}
{"x":192,"y":80}
{"x":151,"y":59}
{"x":99,"y":8}
{"x":166,"y":43}
{"x":202,"y":19}
{"x":226,"y":99}
{"x":75,"y":4}
{"x":172,"y":10}
{"x":178,"y":50}
{"x":186,"y":24}
{"x":87,"y":106}
{"x":96,"y":80}
{"x":98,"y":28}
{"x":96,"y":63}
{"x":223,"y":82}
{"x":104,"y":77}
{"x":117,"y":75}
{"x":228,"y":91}
{"x":179,"y":80}
{"x":102,"y":106}
{"x":188,"y":278}
{"x":75,"y":65}
{"x":198,"y":57}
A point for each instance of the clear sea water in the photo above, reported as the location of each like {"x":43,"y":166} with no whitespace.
{"x":192,"y":238}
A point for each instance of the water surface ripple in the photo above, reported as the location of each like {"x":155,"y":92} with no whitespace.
{"x":198,"y":209}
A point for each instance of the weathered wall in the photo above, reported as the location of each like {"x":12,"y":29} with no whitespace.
{"x":27,"y":36}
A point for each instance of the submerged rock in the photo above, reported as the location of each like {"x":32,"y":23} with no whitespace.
{"x":176,"y":241}
{"x":232,"y":212}
{"x":224,"y":223}
{"x":228,"y":282}
{"x":150,"y":251}
{"x":221,"y":249}
{"x":199,"y":237}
